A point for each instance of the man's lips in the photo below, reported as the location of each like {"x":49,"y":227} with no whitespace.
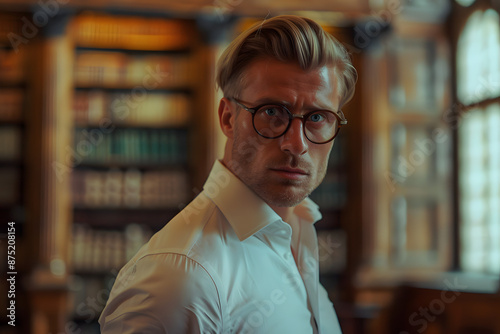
{"x":290,"y":172}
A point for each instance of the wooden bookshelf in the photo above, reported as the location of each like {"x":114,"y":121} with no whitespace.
{"x":134,"y":109}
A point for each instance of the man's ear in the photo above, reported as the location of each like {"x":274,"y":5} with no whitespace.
{"x":226,"y":117}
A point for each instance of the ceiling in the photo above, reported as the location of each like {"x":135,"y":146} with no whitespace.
{"x":262,"y":8}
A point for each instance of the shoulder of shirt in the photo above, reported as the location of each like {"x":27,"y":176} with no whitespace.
{"x":183,"y":232}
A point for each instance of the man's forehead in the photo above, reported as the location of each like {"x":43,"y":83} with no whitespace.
{"x":270,"y":80}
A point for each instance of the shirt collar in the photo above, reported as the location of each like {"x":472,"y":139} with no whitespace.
{"x":245,"y":211}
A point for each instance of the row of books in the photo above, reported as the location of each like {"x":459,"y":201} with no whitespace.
{"x":97,"y":250}
{"x":141,"y":72}
{"x":134,"y":33}
{"x":131,"y":146}
{"x":12,"y":68}
{"x":130,"y":188}
{"x":11,"y":139}
{"x":97,"y":257}
{"x":10,"y":189}
{"x":91,"y":107}
{"x":331,"y":193}
{"x":11,"y":106}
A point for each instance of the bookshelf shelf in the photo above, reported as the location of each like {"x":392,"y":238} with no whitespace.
{"x":118,"y":126}
{"x":11,"y":120}
{"x":125,"y":88}
{"x":136,"y":52}
{"x":12,"y":84}
{"x":117,"y":218}
{"x":17,"y":162}
{"x":139,"y":165}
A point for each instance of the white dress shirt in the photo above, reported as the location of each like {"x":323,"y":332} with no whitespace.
{"x":224,"y":265}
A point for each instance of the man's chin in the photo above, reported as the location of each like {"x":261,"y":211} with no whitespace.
{"x":284,"y":198}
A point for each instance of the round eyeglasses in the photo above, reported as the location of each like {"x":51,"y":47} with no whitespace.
{"x":273,"y":120}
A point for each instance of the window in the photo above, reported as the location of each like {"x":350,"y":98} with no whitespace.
{"x":478,"y":58}
{"x":478,"y":89}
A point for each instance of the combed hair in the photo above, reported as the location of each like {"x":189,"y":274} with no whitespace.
{"x":286,"y":38}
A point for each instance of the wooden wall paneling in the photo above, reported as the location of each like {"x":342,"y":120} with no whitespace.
{"x":49,"y":200}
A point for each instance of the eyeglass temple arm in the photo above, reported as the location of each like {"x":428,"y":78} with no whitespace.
{"x":251,"y":110}
{"x":343,"y":120}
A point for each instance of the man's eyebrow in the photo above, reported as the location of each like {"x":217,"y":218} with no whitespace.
{"x":270,"y":100}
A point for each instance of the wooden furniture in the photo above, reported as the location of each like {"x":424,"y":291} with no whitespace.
{"x":440,"y":311}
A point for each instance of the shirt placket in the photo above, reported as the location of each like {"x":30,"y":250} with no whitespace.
{"x":308,"y":268}
{"x":304,"y":266}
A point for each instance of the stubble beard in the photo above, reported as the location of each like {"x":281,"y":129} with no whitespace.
{"x":278,"y":193}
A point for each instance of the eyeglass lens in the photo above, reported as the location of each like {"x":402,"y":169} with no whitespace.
{"x":272,"y":121}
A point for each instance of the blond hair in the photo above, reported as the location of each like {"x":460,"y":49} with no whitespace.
{"x":287,"y":38}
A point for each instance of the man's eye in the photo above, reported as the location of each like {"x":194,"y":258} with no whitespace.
{"x":317,"y":117}
{"x":271,"y":111}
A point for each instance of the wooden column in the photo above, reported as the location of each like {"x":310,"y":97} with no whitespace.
{"x":49,"y":127}
{"x":208,"y":140}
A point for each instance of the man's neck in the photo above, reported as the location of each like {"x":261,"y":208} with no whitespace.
{"x":286,"y":213}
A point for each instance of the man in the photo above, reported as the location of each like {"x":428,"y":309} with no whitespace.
{"x":242,"y":257}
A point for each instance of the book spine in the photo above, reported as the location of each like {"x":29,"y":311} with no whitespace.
{"x":130,"y":188}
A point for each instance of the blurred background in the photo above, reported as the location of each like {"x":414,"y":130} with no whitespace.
{"x":108,"y":127}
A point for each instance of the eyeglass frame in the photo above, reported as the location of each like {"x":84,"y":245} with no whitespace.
{"x":339,"y":115}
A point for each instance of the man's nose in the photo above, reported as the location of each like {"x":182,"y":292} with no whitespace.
{"x":294,"y":141}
